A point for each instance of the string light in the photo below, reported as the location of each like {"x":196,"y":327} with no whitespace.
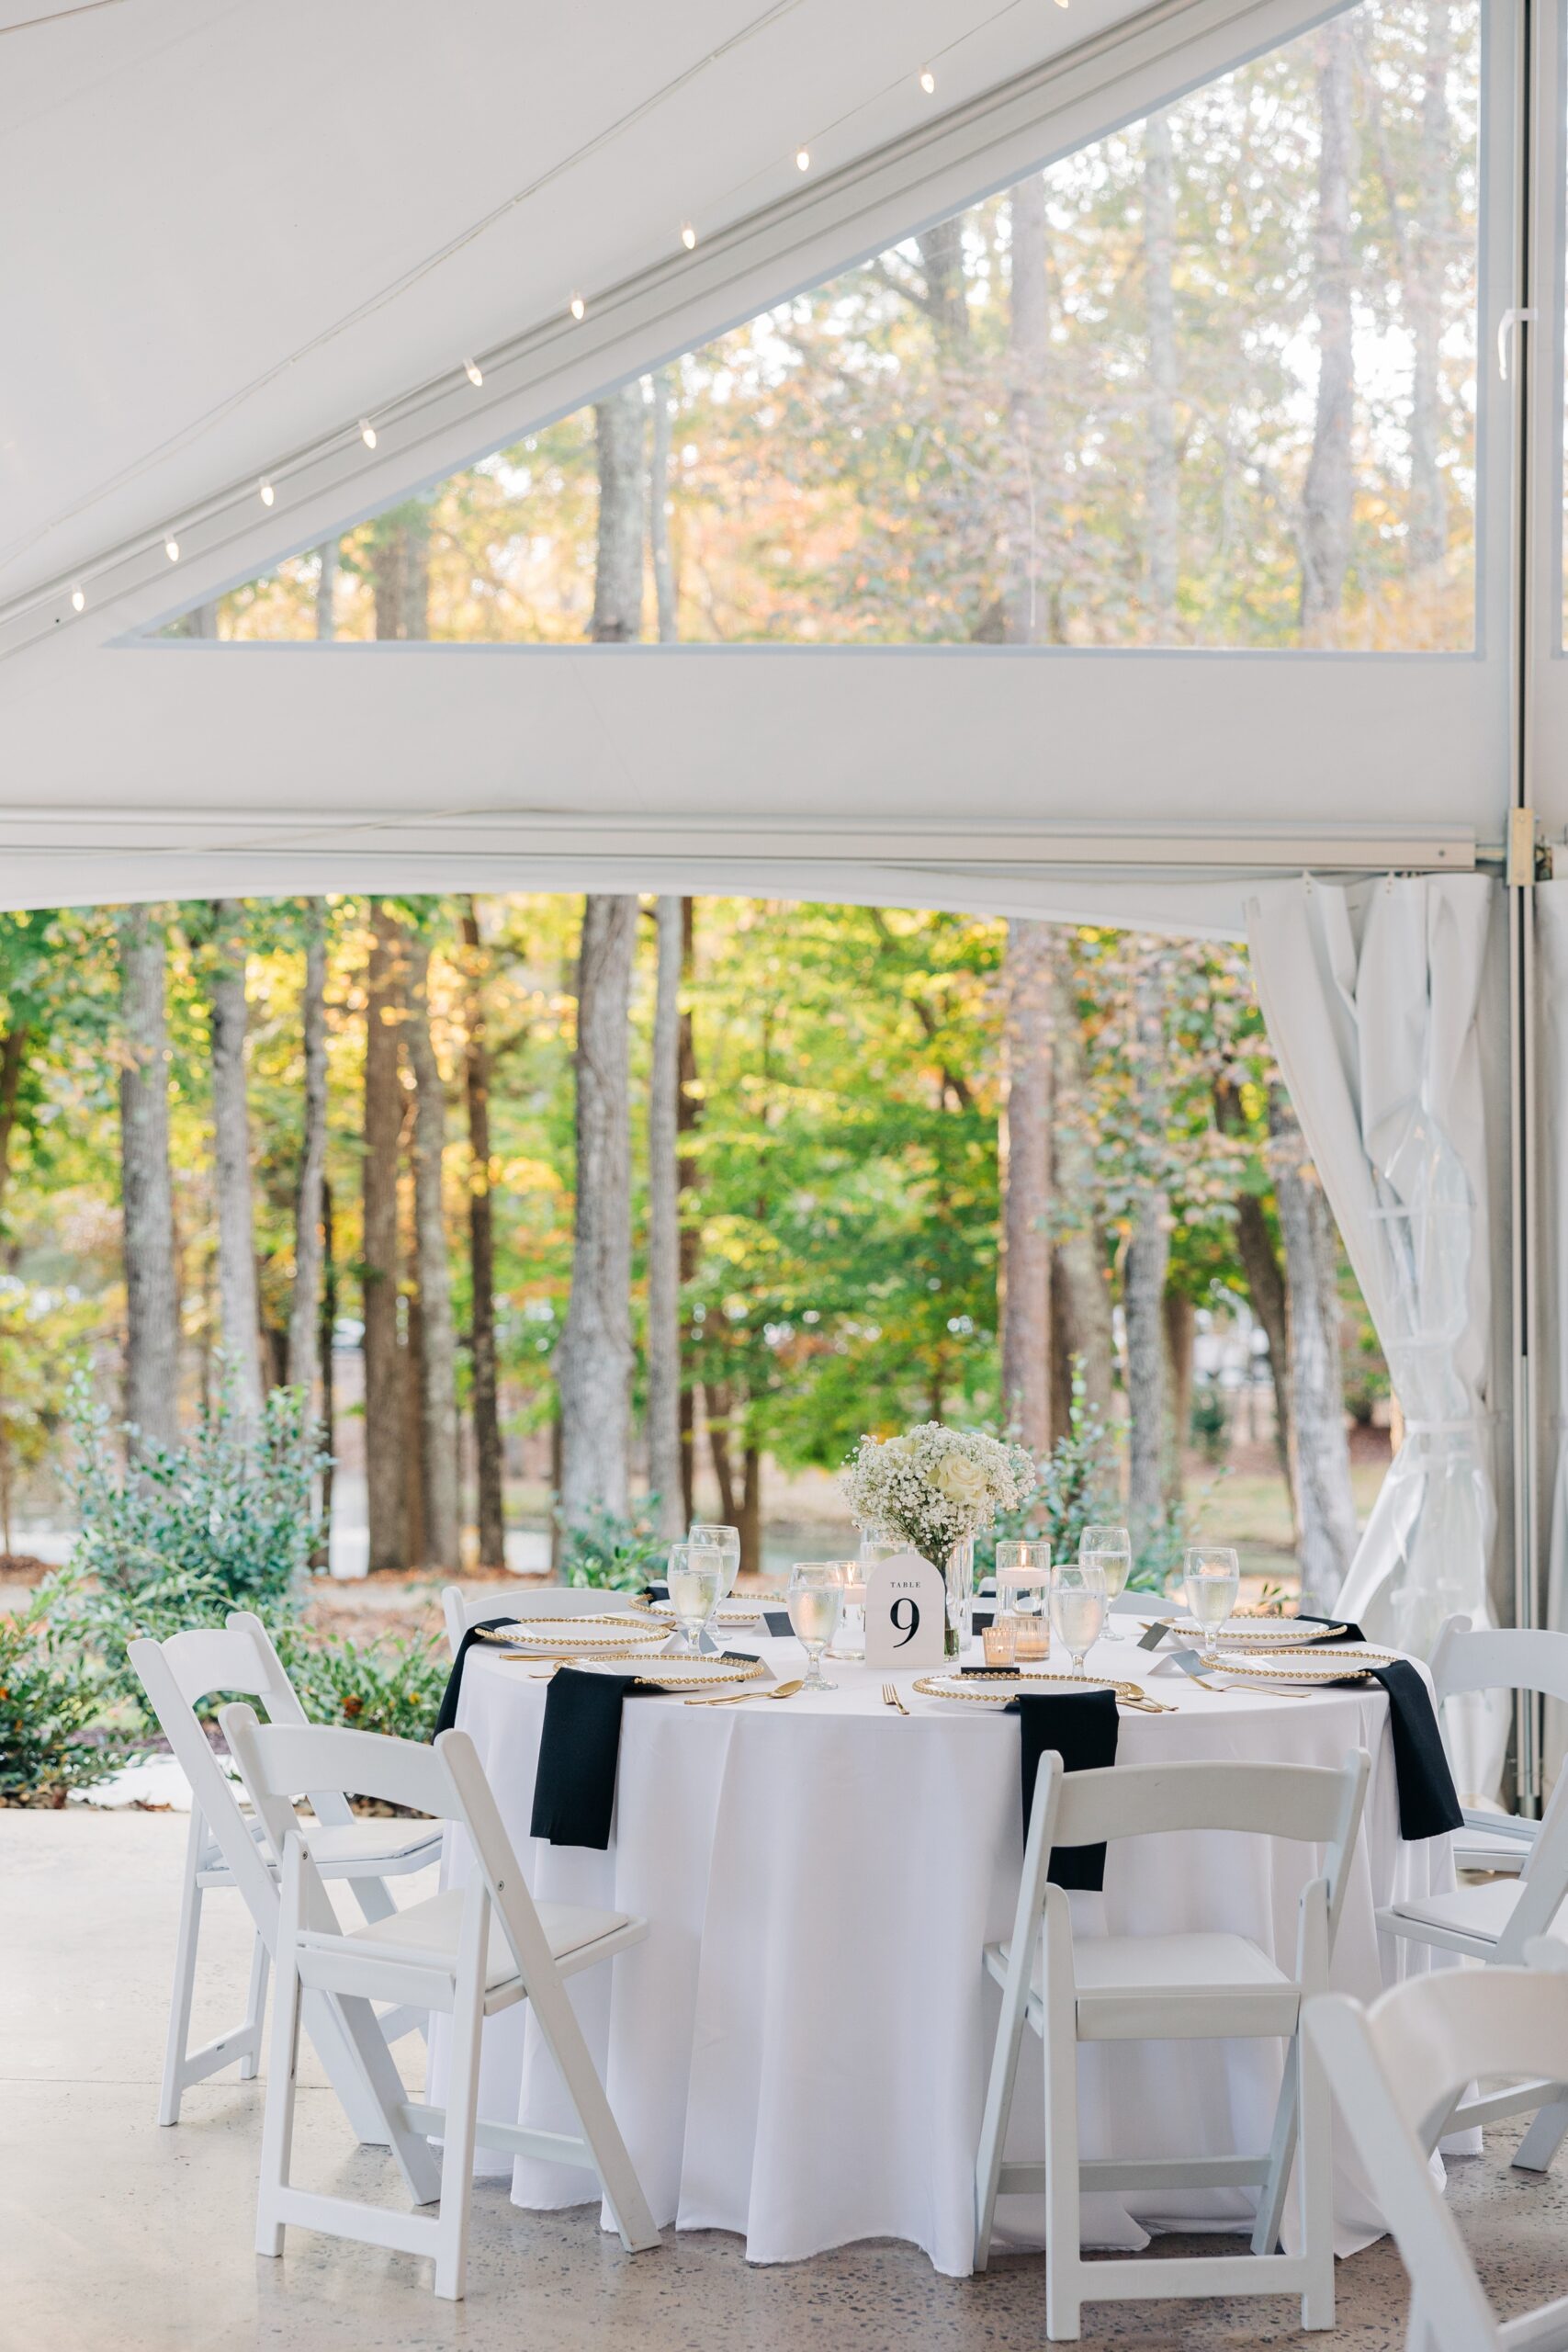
{"x":688,"y":235}
{"x":474,"y":373}
{"x":577,"y":307}
{"x":928,"y":80}
{"x":78,"y":600}
{"x":171,"y":549}
{"x":803,"y":159}
{"x":265,"y":493}
{"x":368,"y":432}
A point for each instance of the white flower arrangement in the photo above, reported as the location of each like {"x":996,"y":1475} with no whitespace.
{"x":934,"y":1487}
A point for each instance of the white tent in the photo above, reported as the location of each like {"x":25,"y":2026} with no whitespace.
{"x":234,"y":236}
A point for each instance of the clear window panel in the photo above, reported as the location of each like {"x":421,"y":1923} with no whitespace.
{"x":1209,"y":382}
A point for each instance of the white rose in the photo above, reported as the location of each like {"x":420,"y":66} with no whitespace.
{"x":961,"y":1479}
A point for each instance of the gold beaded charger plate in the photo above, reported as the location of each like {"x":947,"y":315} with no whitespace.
{"x":996,"y":1690}
{"x":579,"y":1636}
{"x":1306,"y":1668}
{"x":1259,"y":1632}
{"x":691,"y":1673}
{"x":728,"y":1612}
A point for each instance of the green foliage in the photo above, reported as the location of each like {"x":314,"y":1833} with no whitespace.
{"x":50,"y":1700}
{"x":1210,"y":1422}
{"x":1079,"y":1485}
{"x":391,"y":1685}
{"x":621,"y":1555}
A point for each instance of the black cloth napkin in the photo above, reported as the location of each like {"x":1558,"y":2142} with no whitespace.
{"x":579,"y":1749}
{"x":446,"y":1713}
{"x":1082,"y":1726}
{"x":1350,"y":1633}
{"x":1428,"y":1801}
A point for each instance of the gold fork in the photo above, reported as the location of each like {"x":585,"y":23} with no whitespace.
{"x":890,"y":1698}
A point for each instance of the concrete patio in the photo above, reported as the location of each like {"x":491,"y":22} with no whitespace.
{"x":116,"y":2233}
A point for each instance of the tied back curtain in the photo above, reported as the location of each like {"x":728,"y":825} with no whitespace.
{"x":1374,"y":997}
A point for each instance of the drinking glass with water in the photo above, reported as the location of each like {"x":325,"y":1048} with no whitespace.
{"x":1108,"y":1549}
{"x":816,"y":1603}
{"x":696,"y":1580}
{"x":1214,"y":1580}
{"x":1078,"y":1609}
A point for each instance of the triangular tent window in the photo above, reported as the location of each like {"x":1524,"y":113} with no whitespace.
{"x":1209,"y":382}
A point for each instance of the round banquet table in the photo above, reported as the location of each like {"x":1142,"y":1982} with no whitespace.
{"x":798,"y":2052}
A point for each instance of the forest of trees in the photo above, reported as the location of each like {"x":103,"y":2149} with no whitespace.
{"x":1209,"y":382}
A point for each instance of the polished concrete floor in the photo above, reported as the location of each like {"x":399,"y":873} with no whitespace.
{"x":115,"y":2234}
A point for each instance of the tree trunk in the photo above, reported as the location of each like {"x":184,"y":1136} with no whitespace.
{"x":327,"y":1334}
{"x":1429,"y":536}
{"x":1029,"y":335}
{"x":410,"y":1364}
{"x":658,"y":503}
{"x":239,"y":1311}
{"x":750,"y":1520}
{"x":400,"y":571}
{"x":12,"y":1061}
{"x":664,"y":1231}
{"x":439,"y":1353}
{"x":1180,"y":1321}
{"x":1328,"y":1508}
{"x":594,"y":1362}
{"x":383,"y":1127}
{"x":1160,"y":479}
{"x":940,"y":249}
{"x":1025,"y":1154}
{"x":326,"y":593}
{"x":717,"y":1406}
{"x":1144,"y":1272}
{"x":1080,"y":1285}
{"x":617,"y":585}
{"x":302,"y":1318}
{"x":489,"y":1460}
{"x":1270,"y":1304}
{"x":687,"y":1110}
{"x":151,"y":1292}
{"x":1326,"y":498}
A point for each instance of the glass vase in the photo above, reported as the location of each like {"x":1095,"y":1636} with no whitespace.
{"x":958,"y":1578}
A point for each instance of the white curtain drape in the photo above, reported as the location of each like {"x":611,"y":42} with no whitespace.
{"x":1551,"y":1237}
{"x":1373,"y":997}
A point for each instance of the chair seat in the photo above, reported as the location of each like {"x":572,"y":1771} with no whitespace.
{"x":1476,"y":1849}
{"x":1206,"y":1983}
{"x":434,"y":1926}
{"x":371,"y":1847}
{"x":1482,"y":1912}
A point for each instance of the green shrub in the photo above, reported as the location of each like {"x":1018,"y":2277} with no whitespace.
{"x":392,"y":1685}
{"x":49,"y":1700}
{"x":621,"y":1555}
{"x":1079,"y":1485}
{"x":1210,"y":1422}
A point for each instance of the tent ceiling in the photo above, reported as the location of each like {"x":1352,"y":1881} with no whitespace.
{"x":220,"y":222}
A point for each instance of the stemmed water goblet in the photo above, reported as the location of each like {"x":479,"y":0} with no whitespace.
{"x":1078,"y":1609}
{"x":815,"y":1603}
{"x":695,"y":1579}
{"x":1108,"y":1549}
{"x":726,"y":1541}
{"x":1214,"y":1578}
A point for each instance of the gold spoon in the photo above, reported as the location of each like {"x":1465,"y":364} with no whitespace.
{"x":738,"y":1698}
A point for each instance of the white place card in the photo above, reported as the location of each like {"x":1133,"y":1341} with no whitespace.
{"x":905,"y":1612}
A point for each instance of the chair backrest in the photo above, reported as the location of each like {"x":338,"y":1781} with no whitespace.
{"x":1395,"y":2067}
{"x":462,"y":1610}
{"x":1493,"y":1657}
{"x":1543,"y":1880}
{"x":1312,"y":1804}
{"x":446,"y":1780}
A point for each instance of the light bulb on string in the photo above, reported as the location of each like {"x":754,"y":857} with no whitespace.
{"x":368,"y":432}
{"x":474,"y":373}
{"x":688,"y":235}
{"x":171,"y":549}
{"x":577,"y":307}
{"x":928,"y":80}
{"x":265,"y":493}
{"x":78,"y":600}
{"x":803,"y":159}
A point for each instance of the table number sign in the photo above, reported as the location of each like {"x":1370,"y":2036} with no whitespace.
{"x":905,"y":1605}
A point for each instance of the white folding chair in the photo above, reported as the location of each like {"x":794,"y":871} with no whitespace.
{"x":223,"y":1849}
{"x":1395,"y":2069}
{"x":1205,"y":1985}
{"x":1493,"y":1924}
{"x":467,"y":1954}
{"x":462,"y":1610}
{"x":1496,"y":1658}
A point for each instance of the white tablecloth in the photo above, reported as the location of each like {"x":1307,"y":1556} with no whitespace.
{"x":798,"y":2052}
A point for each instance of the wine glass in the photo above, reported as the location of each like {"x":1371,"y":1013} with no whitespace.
{"x":1213,"y":1578}
{"x":695,"y":1579}
{"x":815,"y":1602}
{"x":726,"y":1541}
{"x":1108,"y":1549}
{"x":1078,"y":1609}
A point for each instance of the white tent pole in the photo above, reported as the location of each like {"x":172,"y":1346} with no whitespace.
{"x":1531,"y":88}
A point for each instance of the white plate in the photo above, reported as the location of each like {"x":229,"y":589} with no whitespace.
{"x":582,"y":1635}
{"x":1301,"y":1669}
{"x":996,"y":1690}
{"x":1261,"y":1632}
